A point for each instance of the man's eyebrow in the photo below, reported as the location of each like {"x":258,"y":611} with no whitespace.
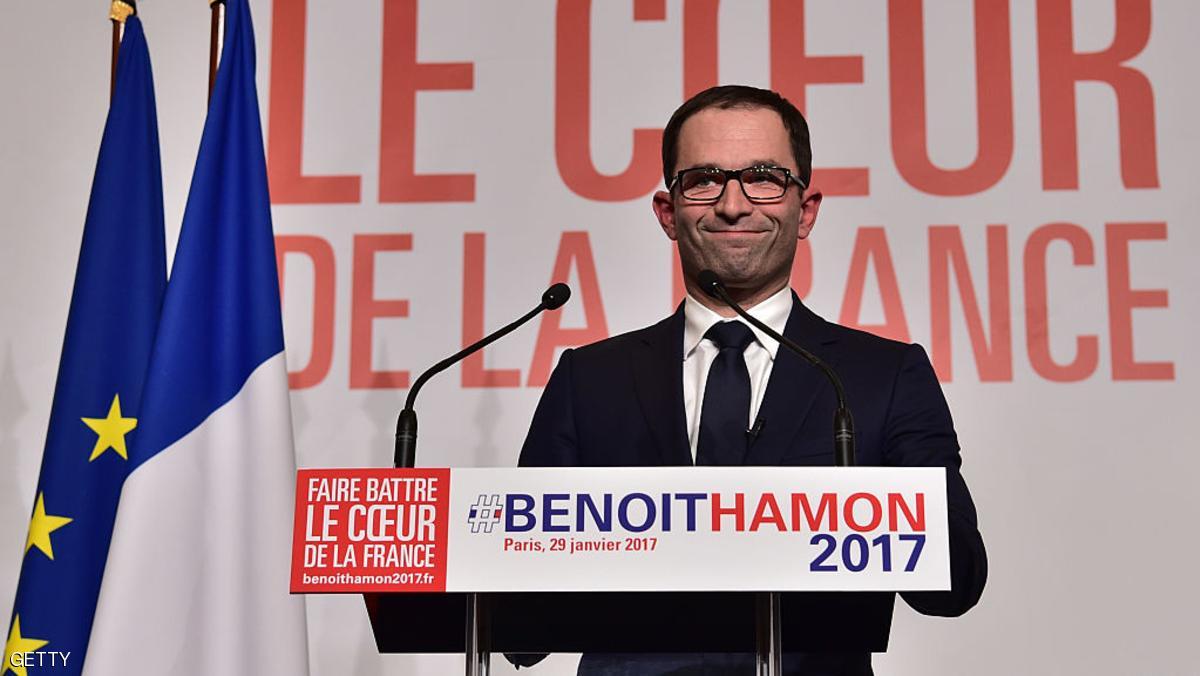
{"x":753,"y":163}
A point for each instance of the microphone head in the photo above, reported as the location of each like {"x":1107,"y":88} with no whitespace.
{"x":710,"y":283}
{"x":556,"y":296}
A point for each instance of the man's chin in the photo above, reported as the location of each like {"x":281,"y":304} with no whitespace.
{"x":743,"y":283}
{"x":736,"y":276}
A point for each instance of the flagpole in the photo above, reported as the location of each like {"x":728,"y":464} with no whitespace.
{"x":118,"y":11}
{"x":213,"y":46}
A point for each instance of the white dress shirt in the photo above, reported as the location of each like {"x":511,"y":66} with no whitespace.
{"x":699,"y":352}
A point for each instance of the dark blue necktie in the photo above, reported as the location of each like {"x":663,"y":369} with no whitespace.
{"x":725,"y":414}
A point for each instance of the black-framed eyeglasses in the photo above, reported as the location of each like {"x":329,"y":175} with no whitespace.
{"x":759,"y":183}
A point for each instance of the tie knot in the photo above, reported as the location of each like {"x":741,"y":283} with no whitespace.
{"x":732,"y":334}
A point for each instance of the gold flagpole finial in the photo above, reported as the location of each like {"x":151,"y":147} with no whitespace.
{"x":120,"y":10}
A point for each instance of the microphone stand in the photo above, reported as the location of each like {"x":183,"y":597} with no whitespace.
{"x":478,"y":625}
{"x":768,"y":605}
{"x":843,"y":422}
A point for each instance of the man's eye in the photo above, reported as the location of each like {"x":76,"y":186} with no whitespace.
{"x":760,"y":177}
{"x":699,"y":181}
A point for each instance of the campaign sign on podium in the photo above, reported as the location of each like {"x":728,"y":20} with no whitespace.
{"x":620,"y":529}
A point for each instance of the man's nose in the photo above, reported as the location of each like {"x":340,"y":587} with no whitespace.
{"x":733,"y":203}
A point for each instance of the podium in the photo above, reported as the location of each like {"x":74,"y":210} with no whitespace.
{"x":623,"y":560}
{"x":625,"y":622}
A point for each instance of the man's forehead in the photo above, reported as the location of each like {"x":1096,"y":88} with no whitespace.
{"x":742,"y":136}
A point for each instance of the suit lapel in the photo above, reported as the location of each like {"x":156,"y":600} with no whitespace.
{"x":658,"y":374}
{"x":793,"y":387}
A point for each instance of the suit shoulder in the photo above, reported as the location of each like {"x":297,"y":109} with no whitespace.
{"x":870,"y":343}
{"x":619,"y":344}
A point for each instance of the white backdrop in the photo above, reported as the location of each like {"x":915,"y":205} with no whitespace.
{"x":1081,"y":472}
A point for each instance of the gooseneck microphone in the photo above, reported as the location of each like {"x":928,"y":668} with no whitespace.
{"x":843,"y":422}
{"x":406,"y":425}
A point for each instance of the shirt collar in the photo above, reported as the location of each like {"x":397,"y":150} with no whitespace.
{"x":774,"y":312}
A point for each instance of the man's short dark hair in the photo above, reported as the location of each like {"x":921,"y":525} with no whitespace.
{"x":739,"y":96}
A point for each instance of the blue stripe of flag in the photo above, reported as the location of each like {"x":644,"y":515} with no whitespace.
{"x":221,"y":315}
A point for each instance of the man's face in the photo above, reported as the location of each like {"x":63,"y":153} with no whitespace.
{"x":750,"y":246}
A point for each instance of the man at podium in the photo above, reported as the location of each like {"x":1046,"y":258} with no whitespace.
{"x":703,"y":387}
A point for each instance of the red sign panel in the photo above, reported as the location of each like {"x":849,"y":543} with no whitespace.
{"x":370,"y":530}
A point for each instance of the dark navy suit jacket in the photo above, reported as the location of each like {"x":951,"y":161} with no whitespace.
{"x":619,"y":402}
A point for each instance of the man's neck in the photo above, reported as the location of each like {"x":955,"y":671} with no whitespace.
{"x":747,"y":298}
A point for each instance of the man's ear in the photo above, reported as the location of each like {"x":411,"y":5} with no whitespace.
{"x":808,"y":212}
{"x":664,"y":210}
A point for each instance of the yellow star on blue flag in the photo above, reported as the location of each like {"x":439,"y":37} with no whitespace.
{"x":111,"y":431}
{"x":41,"y":526}
{"x":19,"y":644}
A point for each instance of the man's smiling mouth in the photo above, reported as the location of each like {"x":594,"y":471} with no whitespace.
{"x":732,"y":232}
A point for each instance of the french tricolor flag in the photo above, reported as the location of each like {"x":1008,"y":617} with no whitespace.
{"x":197,"y":574}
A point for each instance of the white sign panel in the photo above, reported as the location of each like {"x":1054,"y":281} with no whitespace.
{"x":698,"y":528}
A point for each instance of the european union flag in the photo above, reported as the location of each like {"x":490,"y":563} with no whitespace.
{"x":119,"y":286}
